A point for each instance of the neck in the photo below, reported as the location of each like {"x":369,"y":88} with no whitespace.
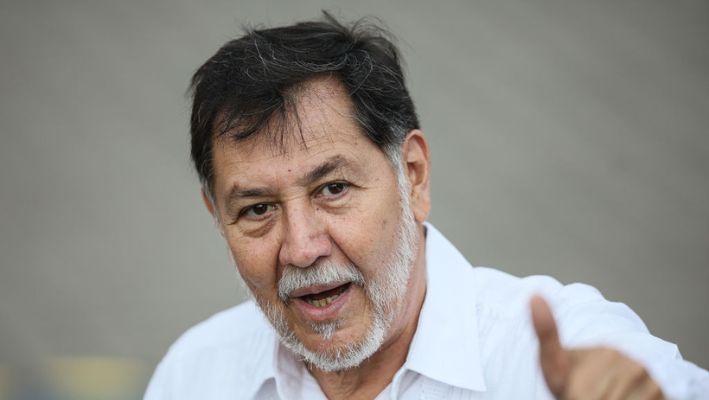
{"x":371,"y":377}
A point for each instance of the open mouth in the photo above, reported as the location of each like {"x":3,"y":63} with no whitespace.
{"x":324,"y":298}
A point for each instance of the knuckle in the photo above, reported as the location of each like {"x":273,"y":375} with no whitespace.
{"x":656,"y":393}
{"x":608,"y":354}
{"x":637,"y":371}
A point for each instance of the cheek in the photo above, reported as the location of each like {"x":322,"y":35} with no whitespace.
{"x":367,"y":236}
{"x":256,"y":260}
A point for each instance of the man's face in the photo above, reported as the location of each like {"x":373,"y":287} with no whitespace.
{"x":322,"y":219}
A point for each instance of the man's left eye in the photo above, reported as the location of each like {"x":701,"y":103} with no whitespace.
{"x":334,"y":189}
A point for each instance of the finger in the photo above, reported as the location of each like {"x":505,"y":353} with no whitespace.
{"x":632,"y":381}
{"x":593,"y":375}
{"x":553,"y":358}
{"x":648,"y":390}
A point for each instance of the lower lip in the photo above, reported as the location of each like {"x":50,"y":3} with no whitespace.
{"x":326,"y":313}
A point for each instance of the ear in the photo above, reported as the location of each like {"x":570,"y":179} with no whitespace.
{"x":211,"y":207}
{"x":417,"y":168}
{"x":208,"y":203}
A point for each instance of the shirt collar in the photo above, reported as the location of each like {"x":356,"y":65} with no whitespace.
{"x":445,"y":346}
{"x":266,"y":369}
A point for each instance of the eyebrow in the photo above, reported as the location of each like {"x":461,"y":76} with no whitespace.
{"x":322,"y":170}
{"x":308,"y":178}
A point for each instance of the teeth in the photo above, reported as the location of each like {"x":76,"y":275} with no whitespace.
{"x":323,"y":302}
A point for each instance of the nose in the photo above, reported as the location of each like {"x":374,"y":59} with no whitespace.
{"x":305,"y":237}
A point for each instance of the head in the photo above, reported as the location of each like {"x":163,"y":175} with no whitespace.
{"x":307,"y":145}
{"x":254,"y":81}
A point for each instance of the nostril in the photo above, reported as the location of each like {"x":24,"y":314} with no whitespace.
{"x":304,"y":253}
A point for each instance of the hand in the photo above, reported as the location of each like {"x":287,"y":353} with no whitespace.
{"x":592,"y":373}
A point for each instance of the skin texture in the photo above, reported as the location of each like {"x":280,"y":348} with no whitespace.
{"x":274,"y":210}
{"x":591,"y":373}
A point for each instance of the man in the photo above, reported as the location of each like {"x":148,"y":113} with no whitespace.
{"x":312,"y":163}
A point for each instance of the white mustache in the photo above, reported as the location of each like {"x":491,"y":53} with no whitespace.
{"x":323,"y":273}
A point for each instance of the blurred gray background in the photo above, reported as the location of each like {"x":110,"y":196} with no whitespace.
{"x":568,"y":138}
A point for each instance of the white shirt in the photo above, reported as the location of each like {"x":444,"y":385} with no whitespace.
{"x":474,"y":340}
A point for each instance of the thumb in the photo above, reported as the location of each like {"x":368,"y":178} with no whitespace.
{"x":554,"y":360}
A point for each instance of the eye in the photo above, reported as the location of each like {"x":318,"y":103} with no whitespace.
{"x":334,"y":189}
{"x":257,"y":211}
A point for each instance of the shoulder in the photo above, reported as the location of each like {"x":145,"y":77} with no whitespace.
{"x":499,"y":297}
{"x":500,"y":290}
{"x":581,"y":311}
{"x":492,"y":289}
{"x":224,"y":352}
{"x":227,"y":328}
{"x":583,"y":315}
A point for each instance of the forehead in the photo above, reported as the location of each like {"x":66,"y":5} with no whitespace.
{"x":316,"y":110}
{"x":318,"y":123}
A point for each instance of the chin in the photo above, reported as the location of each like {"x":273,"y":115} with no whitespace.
{"x":343,"y":350}
{"x":332,"y":342}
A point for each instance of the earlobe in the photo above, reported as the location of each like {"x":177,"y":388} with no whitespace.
{"x":417,"y":167}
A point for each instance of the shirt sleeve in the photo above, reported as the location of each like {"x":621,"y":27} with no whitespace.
{"x":587,"y":319}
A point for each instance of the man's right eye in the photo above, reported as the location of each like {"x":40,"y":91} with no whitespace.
{"x":257,"y":211}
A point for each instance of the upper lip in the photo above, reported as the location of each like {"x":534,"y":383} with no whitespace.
{"x":314,"y":289}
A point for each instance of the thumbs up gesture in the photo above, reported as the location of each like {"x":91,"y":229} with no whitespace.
{"x":589,"y":373}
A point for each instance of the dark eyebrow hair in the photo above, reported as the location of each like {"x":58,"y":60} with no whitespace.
{"x":311,"y":176}
{"x":322,"y":170}
{"x":235,"y":193}
{"x":255,"y":192}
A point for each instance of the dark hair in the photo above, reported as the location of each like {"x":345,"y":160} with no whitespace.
{"x":249,"y":83}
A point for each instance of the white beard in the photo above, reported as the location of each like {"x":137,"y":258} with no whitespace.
{"x":386,"y":292}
